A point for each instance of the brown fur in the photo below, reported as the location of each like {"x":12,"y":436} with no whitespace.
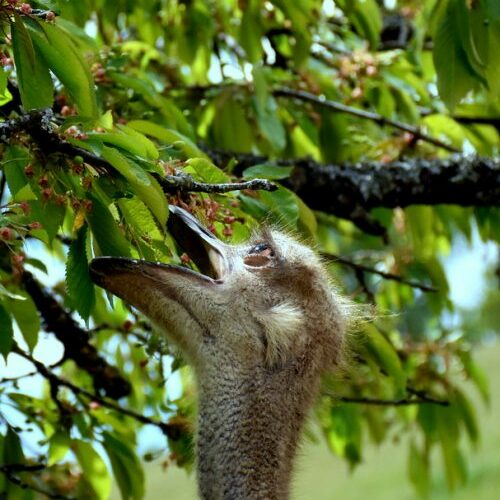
{"x":258,"y":340}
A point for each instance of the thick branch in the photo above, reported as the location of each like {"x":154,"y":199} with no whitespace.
{"x":76,"y":341}
{"x":360,"y":113}
{"x":350,"y":191}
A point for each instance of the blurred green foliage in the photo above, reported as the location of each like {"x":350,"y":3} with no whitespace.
{"x":151,"y":87}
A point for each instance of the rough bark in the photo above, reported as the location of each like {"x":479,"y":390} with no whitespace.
{"x":350,"y":191}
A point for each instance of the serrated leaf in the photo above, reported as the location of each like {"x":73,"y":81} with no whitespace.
{"x":79,"y":286}
{"x":143,"y":228}
{"x":33,"y":77}
{"x":144,"y":185}
{"x":206,"y":171}
{"x":50,"y":214}
{"x":127,"y":468}
{"x":63,"y":58}
{"x":95,"y":472}
{"x":6,"y":332}
{"x":105,"y":231}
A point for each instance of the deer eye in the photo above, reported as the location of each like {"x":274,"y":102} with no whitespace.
{"x":263,"y":249}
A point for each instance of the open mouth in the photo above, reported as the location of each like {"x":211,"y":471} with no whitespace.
{"x":206,"y":251}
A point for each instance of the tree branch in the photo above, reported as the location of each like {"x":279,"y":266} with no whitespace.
{"x":11,"y":469}
{"x":350,"y":191}
{"x":76,"y":341}
{"x":360,"y":113}
{"x":388,"y":276}
{"x":39,"y":126}
{"x":185,"y":183}
{"x":172,"y":431}
{"x":393,"y":402}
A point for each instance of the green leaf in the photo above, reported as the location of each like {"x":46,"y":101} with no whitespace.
{"x":144,"y":185}
{"x":8,"y":293}
{"x":266,"y":171}
{"x":33,"y":77}
{"x":386,"y":356}
{"x":50,"y":214}
{"x":418,"y":470}
{"x":95,"y":472}
{"x":251,"y":31}
{"x":144,"y":229}
{"x":129,"y":140}
{"x":206,"y":171}
{"x":168,"y":136}
{"x":282,"y":205}
{"x":79,"y":286}
{"x":367,"y":20}
{"x":468,"y":414}
{"x":492,"y":70}
{"x":62,"y":56}
{"x":476,"y":375}
{"x":231,"y":128}
{"x":127,"y":468}
{"x":344,"y":432}
{"x":27,"y":318}
{"x":6,"y":332}
{"x":455,"y":75}
{"x":108,"y":236}
{"x":59,"y":444}
{"x":13,"y":162}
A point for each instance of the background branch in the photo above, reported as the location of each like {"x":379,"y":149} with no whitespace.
{"x":173,"y":431}
{"x":360,"y":113}
{"x":388,"y":276}
{"x":75,"y":341}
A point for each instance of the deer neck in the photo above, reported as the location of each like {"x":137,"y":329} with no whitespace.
{"x":248,"y":429}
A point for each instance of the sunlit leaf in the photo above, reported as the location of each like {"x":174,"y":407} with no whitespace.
{"x":78,"y":283}
{"x":95,"y":472}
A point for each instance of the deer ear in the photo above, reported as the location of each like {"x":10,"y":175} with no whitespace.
{"x":282,"y":325}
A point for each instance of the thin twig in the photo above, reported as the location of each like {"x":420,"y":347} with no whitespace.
{"x":360,"y":113}
{"x":170,"y":430}
{"x":75,"y":340}
{"x":9,"y":471}
{"x":185,"y":183}
{"x":425,"y":397}
{"x":388,"y":276}
{"x":392,"y":402}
